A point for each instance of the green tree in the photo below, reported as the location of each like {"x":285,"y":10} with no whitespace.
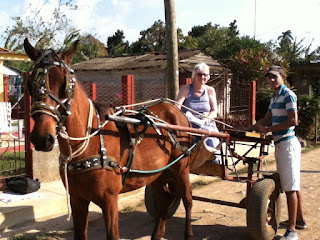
{"x":152,"y":39}
{"x":290,"y":48}
{"x":220,"y":42}
{"x":43,"y":34}
{"x":116,"y":44}
{"x":88,"y":48}
{"x":187,"y":42}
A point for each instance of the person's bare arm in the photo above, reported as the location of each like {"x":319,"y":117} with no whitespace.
{"x":213,"y":103}
{"x":266,"y":121}
{"x":291,"y":121}
{"x":182,"y":95}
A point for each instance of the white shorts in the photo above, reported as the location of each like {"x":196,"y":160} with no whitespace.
{"x":288,"y":157}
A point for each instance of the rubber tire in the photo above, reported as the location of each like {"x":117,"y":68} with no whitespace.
{"x":263,"y":210}
{"x":151,"y":203}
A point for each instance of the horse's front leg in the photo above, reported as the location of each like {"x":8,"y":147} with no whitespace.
{"x":110,"y":212}
{"x":80,"y":218}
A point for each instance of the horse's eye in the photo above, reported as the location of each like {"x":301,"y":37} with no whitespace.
{"x":62,"y":91}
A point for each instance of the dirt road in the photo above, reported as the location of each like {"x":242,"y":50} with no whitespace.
{"x":209,"y":221}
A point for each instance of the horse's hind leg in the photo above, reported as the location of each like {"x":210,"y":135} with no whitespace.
{"x":163,"y":203}
{"x":80,"y":218}
{"x":184,"y":190}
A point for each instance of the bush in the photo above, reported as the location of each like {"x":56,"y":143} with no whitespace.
{"x":308,"y":109}
{"x":262,"y":102}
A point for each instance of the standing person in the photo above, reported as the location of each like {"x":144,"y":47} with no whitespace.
{"x":281,"y":119}
{"x":202,"y":99}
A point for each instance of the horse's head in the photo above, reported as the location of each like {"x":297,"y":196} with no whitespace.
{"x":51,"y":85}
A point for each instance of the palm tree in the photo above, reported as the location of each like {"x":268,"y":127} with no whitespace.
{"x":289,"y":48}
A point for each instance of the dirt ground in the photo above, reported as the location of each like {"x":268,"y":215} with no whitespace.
{"x":209,"y":221}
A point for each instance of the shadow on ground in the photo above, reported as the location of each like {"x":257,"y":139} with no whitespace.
{"x":133,"y":225}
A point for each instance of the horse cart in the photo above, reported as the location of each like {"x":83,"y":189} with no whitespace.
{"x":262,"y":201}
{"x":101,"y":158}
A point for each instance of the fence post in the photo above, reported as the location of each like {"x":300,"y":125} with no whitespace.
{"x":128,"y":95}
{"x":185,"y":81}
{"x":93,"y":91}
{"x":28,"y":123}
{"x":252,"y":102}
{"x":5,"y":89}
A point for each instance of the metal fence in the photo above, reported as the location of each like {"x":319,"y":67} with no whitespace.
{"x":12,"y":142}
{"x":233,"y":98}
{"x":233,"y":109}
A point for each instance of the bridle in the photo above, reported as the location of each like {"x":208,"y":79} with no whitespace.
{"x":39,"y":87}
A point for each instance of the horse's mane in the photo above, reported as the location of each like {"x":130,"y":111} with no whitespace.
{"x":102,"y":108}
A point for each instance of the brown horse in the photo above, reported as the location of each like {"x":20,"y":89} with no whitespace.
{"x":61,"y":108}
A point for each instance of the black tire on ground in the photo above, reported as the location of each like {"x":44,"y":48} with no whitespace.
{"x":151,"y":203}
{"x":263,"y":210}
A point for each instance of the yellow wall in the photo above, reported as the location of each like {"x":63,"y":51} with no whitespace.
{"x":1,"y":82}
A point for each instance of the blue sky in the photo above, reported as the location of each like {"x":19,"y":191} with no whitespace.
{"x":103,"y":17}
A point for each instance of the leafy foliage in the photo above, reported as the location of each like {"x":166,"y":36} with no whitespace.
{"x":290,"y":48}
{"x":308,"y":108}
{"x":43,"y":33}
{"x":116,"y":44}
{"x":152,"y":39}
{"x":88,"y":48}
{"x":262,"y":101}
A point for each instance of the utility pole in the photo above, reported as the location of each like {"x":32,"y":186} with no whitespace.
{"x":255,"y":19}
{"x":172,"y":74}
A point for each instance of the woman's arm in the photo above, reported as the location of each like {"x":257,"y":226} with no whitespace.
{"x":213,"y":103}
{"x":182,"y":95}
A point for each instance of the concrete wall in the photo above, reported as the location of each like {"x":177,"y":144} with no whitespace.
{"x":46,"y":165}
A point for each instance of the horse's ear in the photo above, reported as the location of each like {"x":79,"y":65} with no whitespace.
{"x":69,"y":54}
{"x":31,"y":51}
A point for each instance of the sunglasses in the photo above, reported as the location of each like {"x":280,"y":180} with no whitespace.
{"x":202,"y":74}
{"x":271,"y":76}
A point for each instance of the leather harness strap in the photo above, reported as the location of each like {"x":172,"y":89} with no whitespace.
{"x":103,"y":161}
{"x":91,"y":163}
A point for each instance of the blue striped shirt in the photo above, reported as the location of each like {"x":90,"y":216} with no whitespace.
{"x":285,"y":101}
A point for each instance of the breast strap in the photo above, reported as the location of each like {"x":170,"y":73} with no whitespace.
{"x":91,"y":163}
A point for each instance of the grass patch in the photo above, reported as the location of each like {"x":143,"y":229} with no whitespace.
{"x":12,"y":164}
{"x":35,"y":237}
{"x":140,"y":204}
{"x":199,"y":184}
{"x":310,"y":146}
{"x":128,"y":209}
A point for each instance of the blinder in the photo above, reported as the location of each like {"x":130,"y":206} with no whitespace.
{"x":39,"y":88}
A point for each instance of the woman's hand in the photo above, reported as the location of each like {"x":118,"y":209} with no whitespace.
{"x":207,"y":120}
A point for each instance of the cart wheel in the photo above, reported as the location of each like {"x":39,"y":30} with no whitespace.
{"x":263,"y":210}
{"x":150,"y":202}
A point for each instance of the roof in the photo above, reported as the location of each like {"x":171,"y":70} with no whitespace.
{"x":4,"y":50}
{"x":187,"y":60}
{"x":6,"y":70}
{"x":311,"y":66}
{"x":6,"y":54}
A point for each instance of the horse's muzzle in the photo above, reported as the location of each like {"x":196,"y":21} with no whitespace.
{"x":42,"y":143}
